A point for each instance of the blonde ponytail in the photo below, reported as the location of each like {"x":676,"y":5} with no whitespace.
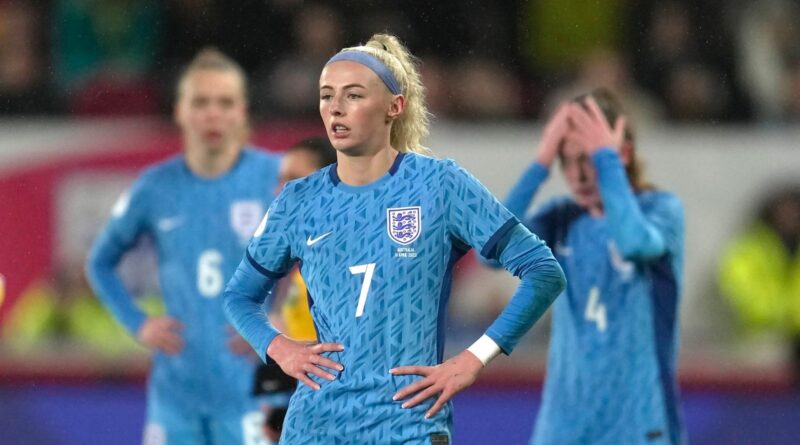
{"x":411,"y":127}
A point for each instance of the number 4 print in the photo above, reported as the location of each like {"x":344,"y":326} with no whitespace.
{"x":595,"y":311}
{"x":368,"y":270}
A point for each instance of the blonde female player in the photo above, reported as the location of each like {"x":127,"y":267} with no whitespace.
{"x":377,"y":234}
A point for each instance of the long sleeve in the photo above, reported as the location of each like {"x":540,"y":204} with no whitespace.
{"x":637,"y":236}
{"x":267,"y":259}
{"x":243,"y":301}
{"x":542,"y":280}
{"x":119,"y":235}
{"x":523,"y":192}
{"x":480,"y":221}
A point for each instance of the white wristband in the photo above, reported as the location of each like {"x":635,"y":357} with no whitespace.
{"x":485,"y":349}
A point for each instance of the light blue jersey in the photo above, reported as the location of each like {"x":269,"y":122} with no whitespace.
{"x":611,"y":371}
{"x":378,"y":263}
{"x":200,"y":228}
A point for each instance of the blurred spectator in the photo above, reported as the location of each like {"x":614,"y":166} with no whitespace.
{"x":62,"y":313}
{"x":484,"y":89}
{"x":293,"y":86}
{"x":760,"y":271}
{"x":768,"y":44}
{"x":437,"y":85}
{"x":682,"y":53}
{"x":605,"y":68}
{"x":104,"y":52}
{"x":24,"y":85}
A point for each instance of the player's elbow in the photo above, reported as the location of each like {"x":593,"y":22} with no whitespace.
{"x":639,"y":245}
{"x":556,"y":278}
{"x":549,"y":278}
{"x":97,"y":264}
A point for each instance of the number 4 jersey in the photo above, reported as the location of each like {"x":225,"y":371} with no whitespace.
{"x":377,"y":260}
{"x":200,"y":228}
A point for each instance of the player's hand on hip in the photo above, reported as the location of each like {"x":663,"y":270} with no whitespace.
{"x":299,"y":360}
{"x":443,"y":381}
{"x":591,"y":130}
{"x":553,"y":135}
{"x":161,"y":333}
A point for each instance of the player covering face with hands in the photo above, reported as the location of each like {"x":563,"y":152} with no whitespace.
{"x":612,"y":359}
{"x":378,"y":234}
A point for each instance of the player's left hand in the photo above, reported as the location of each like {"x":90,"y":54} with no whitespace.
{"x":445,"y":380}
{"x":591,"y":129}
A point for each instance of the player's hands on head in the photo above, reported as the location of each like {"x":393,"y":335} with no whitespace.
{"x":300,"y":359}
{"x":553,"y":134}
{"x":442,"y":381}
{"x":591,"y":130}
{"x":161,"y":333}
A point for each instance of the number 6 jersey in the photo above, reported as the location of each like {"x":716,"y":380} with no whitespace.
{"x":199,"y":228}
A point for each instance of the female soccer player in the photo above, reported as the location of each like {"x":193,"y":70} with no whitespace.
{"x":377,"y":234}
{"x":612,"y":361}
{"x":200,"y":208}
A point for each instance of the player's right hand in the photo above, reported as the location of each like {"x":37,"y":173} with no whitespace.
{"x":554,"y":133}
{"x":161,"y":333}
{"x":300,"y":359}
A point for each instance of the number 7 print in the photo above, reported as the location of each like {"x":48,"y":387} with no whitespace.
{"x":368,"y":270}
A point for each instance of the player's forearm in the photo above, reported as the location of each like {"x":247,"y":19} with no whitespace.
{"x":633,"y":234}
{"x":542,"y":280}
{"x":102,"y":275}
{"x":243,"y":302}
{"x":523,"y":192}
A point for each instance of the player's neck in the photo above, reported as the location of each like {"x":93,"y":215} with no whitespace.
{"x":209,"y":164}
{"x":595,"y":211}
{"x":362,"y":170}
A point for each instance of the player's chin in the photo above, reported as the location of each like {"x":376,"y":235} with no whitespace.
{"x":346,"y":147}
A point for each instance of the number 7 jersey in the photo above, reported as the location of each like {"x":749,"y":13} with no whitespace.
{"x":377,"y":260}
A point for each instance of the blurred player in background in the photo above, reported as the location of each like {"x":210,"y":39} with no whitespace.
{"x":378,"y":234}
{"x":613,"y":352}
{"x":300,"y":160}
{"x":200,"y":207}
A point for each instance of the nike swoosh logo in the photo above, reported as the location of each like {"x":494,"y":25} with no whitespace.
{"x":167,"y":224}
{"x":310,"y":242}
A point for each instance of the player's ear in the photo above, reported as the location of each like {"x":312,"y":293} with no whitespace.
{"x":396,"y":107}
{"x":626,"y":153}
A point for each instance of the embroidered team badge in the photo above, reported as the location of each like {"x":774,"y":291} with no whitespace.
{"x":245,"y":216}
{"x":404,"y":224}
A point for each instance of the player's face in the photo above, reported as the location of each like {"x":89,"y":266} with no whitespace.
{"x":580,"y":175}
{"x":356,"y":108}
{"x":211,"y":110}
{"x":294,"y":165}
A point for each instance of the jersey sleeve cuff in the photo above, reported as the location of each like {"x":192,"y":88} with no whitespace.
{"x":262,"y":349}
{"x":605,"y":155}
{"x":485,"y":349}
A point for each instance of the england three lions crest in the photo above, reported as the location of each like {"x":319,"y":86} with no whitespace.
{"x":404,"y":224}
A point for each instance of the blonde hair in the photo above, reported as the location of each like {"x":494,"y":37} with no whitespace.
{"x":211,"y":58}
{"x":411,"y":127}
